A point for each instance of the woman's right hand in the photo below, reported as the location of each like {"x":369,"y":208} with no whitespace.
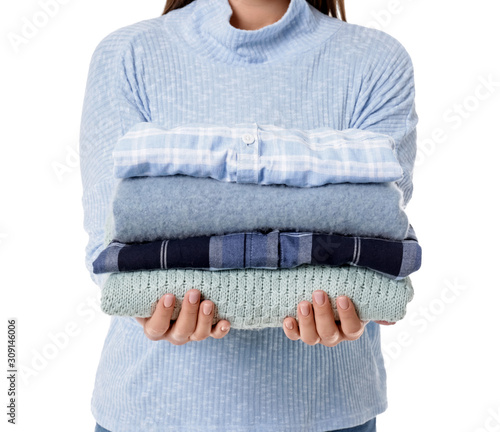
{"x":193,"y":323}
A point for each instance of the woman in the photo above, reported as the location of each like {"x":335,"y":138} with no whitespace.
{"x":231,"y":61}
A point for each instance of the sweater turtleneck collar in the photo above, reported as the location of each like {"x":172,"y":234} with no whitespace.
{"x":209,"y":32}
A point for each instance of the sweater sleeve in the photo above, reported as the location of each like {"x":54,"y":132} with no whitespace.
{"x":386,"y":104}
{"x":111,"y":106}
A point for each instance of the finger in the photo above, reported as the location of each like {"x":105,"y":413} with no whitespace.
{"x":325,"y":319}
{"x":204,"y":323}
{"x":220,"y":329}
{"x":385,"y":322}
{"x":351,"y":326}
{"x":291,"y":328}
{"x":185,"y":324}
{"x":157,"y":325}
{"x":141,"y":320}
{"x":307,"y":325}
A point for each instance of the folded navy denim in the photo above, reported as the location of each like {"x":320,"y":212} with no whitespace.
{"x":180,"y":206}
{"x":394,"y":258}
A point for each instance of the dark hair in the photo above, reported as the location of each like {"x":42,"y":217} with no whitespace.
{"x":336,"y":7}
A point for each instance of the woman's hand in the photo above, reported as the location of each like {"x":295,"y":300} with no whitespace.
{"x":317,"y":323}
{"x":193,"y":324}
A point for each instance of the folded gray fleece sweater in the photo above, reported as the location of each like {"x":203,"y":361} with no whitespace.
{"x":179,"y":206}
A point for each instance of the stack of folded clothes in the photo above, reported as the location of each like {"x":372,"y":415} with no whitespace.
{"x":257,"y":217}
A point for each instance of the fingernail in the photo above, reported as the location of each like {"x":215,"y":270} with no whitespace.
{"x":289,"y":325}
{"x":194,"y":296}
{"x":168,"y":300}
{"x":224,"y":329}
{"x":385,"y":322}
{"x":319,"y":297}
{"x":304,"y":308}
{"x":343,"y":302}
{"x":207,"y":308}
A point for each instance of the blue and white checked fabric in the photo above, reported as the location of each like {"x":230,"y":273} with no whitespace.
{"x":257,"y":153}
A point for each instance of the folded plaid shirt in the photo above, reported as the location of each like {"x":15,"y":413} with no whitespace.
{"x":254,"y":153}
{"x":273,"y":250}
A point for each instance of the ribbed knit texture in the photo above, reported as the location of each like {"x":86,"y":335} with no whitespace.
{"x":307,"y":70}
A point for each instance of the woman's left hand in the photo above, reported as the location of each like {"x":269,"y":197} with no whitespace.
{"x":317,"y":322}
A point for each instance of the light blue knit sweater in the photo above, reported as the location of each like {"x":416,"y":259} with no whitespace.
{"x":307,"y":70}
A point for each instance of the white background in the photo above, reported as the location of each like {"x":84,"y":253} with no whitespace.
{"x":442,"y":359}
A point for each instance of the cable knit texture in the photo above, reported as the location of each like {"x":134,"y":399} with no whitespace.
{"x":258,"y":298}
{"x":306,"y":70}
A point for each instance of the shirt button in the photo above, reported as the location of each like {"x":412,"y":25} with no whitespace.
{"x":248,"y":138}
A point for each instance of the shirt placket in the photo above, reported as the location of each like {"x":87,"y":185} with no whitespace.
{"x":248,"y":155}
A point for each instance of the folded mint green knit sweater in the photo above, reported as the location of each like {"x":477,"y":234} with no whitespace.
{"x":256,"y":298}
